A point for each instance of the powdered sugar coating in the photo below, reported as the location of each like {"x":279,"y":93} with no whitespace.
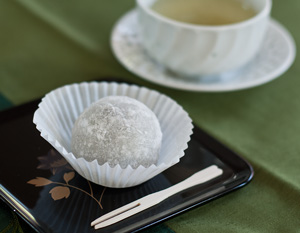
{"x":118,"y":130}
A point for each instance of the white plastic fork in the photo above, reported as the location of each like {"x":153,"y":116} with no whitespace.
{"x":150,"y":200}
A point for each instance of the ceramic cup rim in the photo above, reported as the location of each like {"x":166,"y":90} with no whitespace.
{"x":262,"y":14}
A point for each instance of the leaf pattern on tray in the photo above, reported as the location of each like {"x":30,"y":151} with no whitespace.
{"x":54,"y":162}
{"x":60,"y":192}
{"x":40,"y":181}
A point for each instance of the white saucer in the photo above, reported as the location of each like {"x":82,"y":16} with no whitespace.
{"x":276,"y":56}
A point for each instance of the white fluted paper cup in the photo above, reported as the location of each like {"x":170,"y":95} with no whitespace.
{"x":60,"y":108}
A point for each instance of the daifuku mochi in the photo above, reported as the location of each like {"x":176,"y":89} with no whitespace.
{"x":118,"y":130}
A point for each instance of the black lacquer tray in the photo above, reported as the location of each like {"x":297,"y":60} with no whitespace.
{"x":45,"y":191}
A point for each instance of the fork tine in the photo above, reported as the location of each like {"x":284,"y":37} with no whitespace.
{"x":127,"y":210}
{"x":116,"y":218}
{"x":116,"y":212}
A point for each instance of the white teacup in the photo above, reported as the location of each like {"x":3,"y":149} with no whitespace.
{"x":197,"y":50}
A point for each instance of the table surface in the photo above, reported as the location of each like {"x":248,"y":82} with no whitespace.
{"x":47,"y":44}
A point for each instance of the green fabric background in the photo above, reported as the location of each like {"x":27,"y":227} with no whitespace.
{"x":46,"y":44}
{"x":4,"y":103}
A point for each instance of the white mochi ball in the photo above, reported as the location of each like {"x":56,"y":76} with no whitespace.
{"x":118,"y":130}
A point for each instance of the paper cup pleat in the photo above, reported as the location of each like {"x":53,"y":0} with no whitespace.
{"x":60,"y":108}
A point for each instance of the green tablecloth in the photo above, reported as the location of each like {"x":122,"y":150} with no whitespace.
{"x":46,"y":44}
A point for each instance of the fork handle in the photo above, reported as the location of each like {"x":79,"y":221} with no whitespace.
{"x":196,"y":179}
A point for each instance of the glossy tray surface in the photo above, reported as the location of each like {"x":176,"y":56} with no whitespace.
{"x":40,"y":185}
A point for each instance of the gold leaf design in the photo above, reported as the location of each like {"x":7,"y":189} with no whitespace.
{"x":40,"y":181}
{"x":69,"y":176}
{"x":54,"y":162}
{"x":59,"y":192}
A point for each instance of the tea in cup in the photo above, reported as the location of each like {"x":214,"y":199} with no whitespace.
{"x":197,"y":38}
